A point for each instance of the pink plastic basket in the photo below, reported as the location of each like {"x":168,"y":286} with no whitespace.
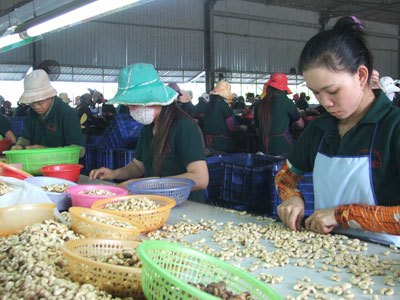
{"x":85,"y":200}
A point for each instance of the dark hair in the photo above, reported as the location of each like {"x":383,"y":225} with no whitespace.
{"x":342,"y":48}
{"x":160,"y":146}
{"x":265,"y":113}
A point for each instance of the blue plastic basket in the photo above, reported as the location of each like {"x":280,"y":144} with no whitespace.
{"x":215,"y":174}
{"x":176,"y":188}
{"x":123,"y":132}
{"x":305,"y":186}
{"x":246,"y":181}
{"x":89,"y":161}
{"x":123,"y":157}
{"x":17,"y":124}
{"x":105,"y":157}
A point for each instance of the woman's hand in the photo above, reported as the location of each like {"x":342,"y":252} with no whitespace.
{"x":17,"y":147}
{"x":291,"y":212}
{"x":322,"y":221}
{"x":35,"y":147}
{"x":102,"y":174}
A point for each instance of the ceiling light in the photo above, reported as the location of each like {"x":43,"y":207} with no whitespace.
{"x":9,"y":40}
{"x":79,"y":15}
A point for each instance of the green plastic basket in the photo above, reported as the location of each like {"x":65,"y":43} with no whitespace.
{"x":167,"y":269}
{"x":34,"y":159}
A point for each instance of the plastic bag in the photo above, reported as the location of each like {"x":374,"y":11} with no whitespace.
{"x":25,"y":193}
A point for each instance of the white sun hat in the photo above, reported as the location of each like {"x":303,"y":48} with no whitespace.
{"x":37,"y":87}
{"x":388,"y":86}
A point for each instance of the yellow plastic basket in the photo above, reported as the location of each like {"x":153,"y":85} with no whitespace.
{"x":14,"y":219}
{"x":120,"y":281}
{"x":150,"y":219}
{"x":95,"y":229}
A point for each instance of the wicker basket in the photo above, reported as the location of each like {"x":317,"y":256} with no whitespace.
{"x":120,"y":281}
{"x":150,"y":219}
{"x":95,"y":229}
{"x":168,"y":267}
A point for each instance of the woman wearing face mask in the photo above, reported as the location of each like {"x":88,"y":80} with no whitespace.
{"x":170,"y":143}
{"x":352,"y":150}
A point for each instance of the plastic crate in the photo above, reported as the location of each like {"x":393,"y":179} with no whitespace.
{"x":123,"y":132}
{"x":95,"y":140}
{"x":17,"y":124}
{"x":89,"y":161}
{"x":246,"y":181}
{"x":305,"y":186}
{"x":122,"y":157}
{"x":214,"y":166}
{"x":105,"y":157}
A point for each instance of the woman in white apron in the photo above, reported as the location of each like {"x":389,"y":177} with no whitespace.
{"x":353,"y":150}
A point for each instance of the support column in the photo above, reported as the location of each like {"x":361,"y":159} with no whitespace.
{"x":209,"y":59}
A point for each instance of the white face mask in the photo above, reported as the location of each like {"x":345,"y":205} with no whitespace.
{"x":143,"y":114}
{"x":390,"y":96}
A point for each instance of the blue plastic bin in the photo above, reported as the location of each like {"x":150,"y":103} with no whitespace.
{"x":89,"y":161}
{"x":123,"y":157}
{"x":123,"y":132}
{"x":215,"y":169}
{"x":17,"y":124}
{"x":105,"y":157}
{"x":246,"y":181}
{"x":305,"y":186}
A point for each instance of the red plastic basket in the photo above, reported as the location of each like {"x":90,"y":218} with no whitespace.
{"x":5,"y":145}
{"x":65,"y":171}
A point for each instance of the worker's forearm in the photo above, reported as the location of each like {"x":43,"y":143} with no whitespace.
{"x":381,"y":219}
{"x":129,"y":171}
{"x":23,"y":142}
{"x":286,"y":183}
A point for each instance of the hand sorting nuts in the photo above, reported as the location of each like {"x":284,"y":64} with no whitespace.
{"x":97,"y":192}
{"x":4,"y":188}
{"x":109,"y":221}
{"x":134,"y":203}
{"x":218,"y":289}
{"x":124,"y":258}
{"x":55,"y":188}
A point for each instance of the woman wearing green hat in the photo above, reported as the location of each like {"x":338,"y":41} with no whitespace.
{"x":170,"y":144}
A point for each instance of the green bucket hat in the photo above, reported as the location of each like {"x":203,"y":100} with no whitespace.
{"x":139,"y":84}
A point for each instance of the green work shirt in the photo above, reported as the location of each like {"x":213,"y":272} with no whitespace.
{"x":5,"y":125}
{"x":185,"y":146}
{"x":201,"y":107}
{"x":215,"y":128}
{"x":59,"y":128}
{"x":385,"y":161}
{"x":283,"y":111}
{"x":302,"y":104}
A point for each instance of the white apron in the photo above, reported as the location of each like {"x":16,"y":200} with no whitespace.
{"x":342,"y":180}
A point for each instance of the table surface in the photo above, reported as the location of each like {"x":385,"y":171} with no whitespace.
{"x":291,"y":274}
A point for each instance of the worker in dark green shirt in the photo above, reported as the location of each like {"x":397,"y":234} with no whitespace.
{"x":170,"y":143}
{"x":50,"y":122}
{"x":352,"y":150}
{"x":219,"y":121}
{"x":302,"y":102}
{"x":6,"y":129}
{"x":273,"y":114}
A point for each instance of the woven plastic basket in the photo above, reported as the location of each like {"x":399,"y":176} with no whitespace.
{"x":15,"y":218}
{"x":167,"y":269}
{"x":34,"y":159}
{"x":95,"y":229}
{"x":120,"y":281}
{"x":176,"y":188}
{"x":150,"y":219}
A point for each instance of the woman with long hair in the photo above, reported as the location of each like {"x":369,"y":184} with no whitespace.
{"x":273,"y":114}
{"x":170,"y":143}
{"x":352,"y":150}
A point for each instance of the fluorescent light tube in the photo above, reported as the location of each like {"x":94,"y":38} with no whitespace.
{"x":80,"y":14}
{"x":9,"y":40}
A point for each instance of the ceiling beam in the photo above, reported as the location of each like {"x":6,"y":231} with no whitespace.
{"x":379,"y":7}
